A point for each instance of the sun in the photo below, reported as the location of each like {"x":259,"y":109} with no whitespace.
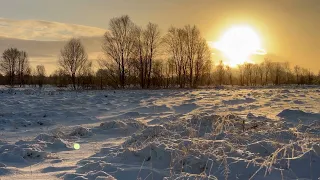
{"x":238,"y":44}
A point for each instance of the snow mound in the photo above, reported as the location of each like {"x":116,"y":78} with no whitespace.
{"x":158,"y":154}
{"x":18,"y":122}
{"x":304,"y":167}
{"x":263,"y":148}
{"x":105,"y":178}
{"x":113,"y":125}
{"x":5,"y":171}
{"x":163,"y":120}
{"x":122,"y":126}
{"x":13,"y":153}
{"x":91,"y":166}
{"x":298,"y":116}
{"x":185,"y":108}
{"x":93,"y":170}
{"x":80,"y":131}
{"x":239,"y":101}
{"x":92,"y":175}
{"x":53,"y":143}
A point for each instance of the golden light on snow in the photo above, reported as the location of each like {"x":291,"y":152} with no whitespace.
{"x":76,"y":146}
{"x":238,"y":43}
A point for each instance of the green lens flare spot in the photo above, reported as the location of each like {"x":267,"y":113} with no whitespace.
{"x":76,"y":146}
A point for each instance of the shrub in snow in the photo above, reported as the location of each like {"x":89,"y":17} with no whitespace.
{"x":200,"y":125}
{"x":148,"y":134}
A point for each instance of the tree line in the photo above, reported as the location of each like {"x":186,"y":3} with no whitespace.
{"x":142,"y":57}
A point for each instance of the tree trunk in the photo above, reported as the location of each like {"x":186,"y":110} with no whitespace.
{"x":73,"y":78}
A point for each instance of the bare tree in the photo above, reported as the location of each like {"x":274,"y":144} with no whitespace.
{"x":229,"y":74}
{"x":241,"y":74}
{"x":85,"y":76}
{"x":248,"y":71}
{"x":2,"y":80}
{"x":140,"y":55}
{"x":146,"y":43}
{"x":118,"y":44}
{"x":152,"y":41}
{"x":192,"y":40}
{"x":60,"y":78}
{"x":40,"y":73}
{"x":261,"y":71}
{"x":9,"y":63}
{"x":202,"y":63}
{"x":22,"y":67}
{"x":268,"y":69}
{"x":176,"y":48}
{"x":297,"y":71}
{"x":256,"y":73}
{"x":73,"y":59}
{"x":220,"y":70}
{"x":277,"y":73}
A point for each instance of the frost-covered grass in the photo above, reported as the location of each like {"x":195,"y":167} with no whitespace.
{"x":271,"y":134}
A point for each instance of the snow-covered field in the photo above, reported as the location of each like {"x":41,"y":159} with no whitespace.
{"x":230,"y":133}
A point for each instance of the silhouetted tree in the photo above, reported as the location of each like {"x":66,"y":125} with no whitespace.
{"x":118,"y":44}
{"x":8,"y":63}
{"x":176,"y":48}
{"x":202,"y":62}
{"x":146,"y":44}
{"x":73,"y":58}
{"x":220,"y":73}
{"x":248,"y":72}
{"x":152,"y":40}
{"x":22,"y":67}
{"x":297,"y":71}
{"x":268,"y":68}
{"x":2,"y":80}
{"x":40,"y":74}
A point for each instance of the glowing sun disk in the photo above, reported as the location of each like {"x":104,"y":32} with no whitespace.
{"x":238,"y":44}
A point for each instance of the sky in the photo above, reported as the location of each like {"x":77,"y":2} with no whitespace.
{"x":289,"y":29}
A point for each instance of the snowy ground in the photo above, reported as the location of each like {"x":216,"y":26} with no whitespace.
{"x":233,"y":133}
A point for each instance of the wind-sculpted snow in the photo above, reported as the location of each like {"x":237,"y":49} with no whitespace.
{"x":167,"y":150}
{"x":236,"y":133}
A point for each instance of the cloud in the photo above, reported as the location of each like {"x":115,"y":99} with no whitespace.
{"x":47,"y":52}
{"x":45,"y":30}
{"x":43,"y":40}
